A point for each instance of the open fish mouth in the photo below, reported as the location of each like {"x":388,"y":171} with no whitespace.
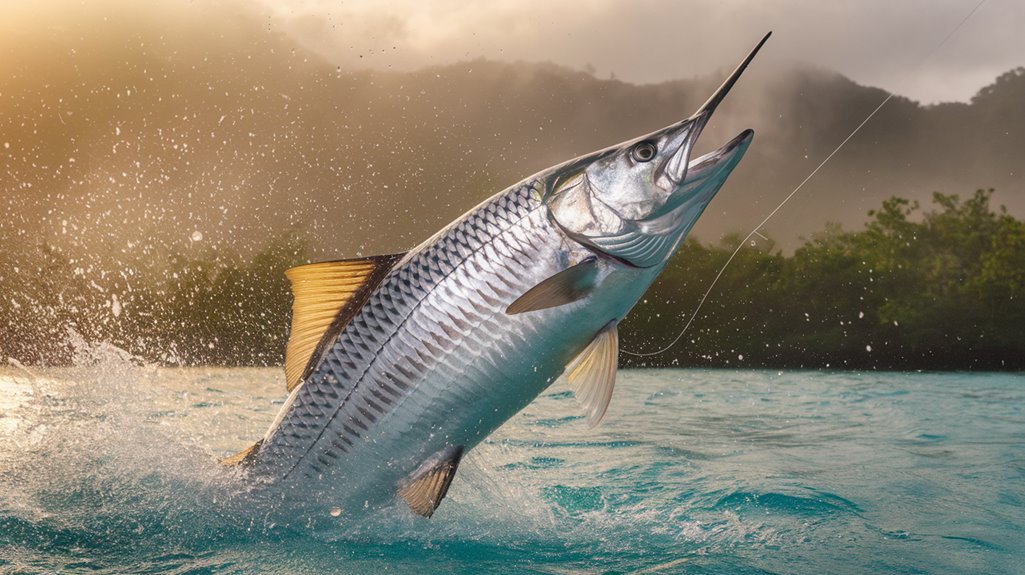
{"x":651,"y":240}
{"x":704,"y":176}
{"x":718,"y":162}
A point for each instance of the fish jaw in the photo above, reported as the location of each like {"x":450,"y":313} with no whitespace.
{"x":705,"y":177}
{"x":652,"y":241}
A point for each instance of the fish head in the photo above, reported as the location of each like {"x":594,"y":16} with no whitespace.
{"x":636,"y":201}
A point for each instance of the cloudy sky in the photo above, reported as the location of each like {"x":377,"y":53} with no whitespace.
{"x":893,"y":44}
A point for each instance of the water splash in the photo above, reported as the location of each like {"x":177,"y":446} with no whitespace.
{"x":109,"y":466}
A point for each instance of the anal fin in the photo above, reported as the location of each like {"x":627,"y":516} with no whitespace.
{"x":424,"y":489}
{"x":592,"y":374}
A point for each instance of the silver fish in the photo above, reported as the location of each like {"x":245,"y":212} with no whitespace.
{"x":397,"y":365}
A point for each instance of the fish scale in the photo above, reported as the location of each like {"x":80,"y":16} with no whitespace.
{"x":387,"y":330}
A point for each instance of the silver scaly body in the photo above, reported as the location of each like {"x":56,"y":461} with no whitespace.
{"x":432,"y":360}
{"x":468,"y":328}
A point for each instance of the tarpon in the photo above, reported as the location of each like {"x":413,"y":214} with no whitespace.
{"x":398,"y":364}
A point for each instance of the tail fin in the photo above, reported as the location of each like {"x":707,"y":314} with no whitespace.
{"x":242,"y":458}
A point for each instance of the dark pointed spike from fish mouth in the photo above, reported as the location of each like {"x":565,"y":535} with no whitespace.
{"x":709,"y":106}
{"x":675,"y":167}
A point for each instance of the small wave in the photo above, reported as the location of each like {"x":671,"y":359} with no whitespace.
{"x":557,"y":421}
{"x":536,"y":463}
{"x":817,"y":505}
{"x":108,"y":467}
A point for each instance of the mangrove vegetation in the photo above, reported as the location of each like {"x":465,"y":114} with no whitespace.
{"x":919,"y":287}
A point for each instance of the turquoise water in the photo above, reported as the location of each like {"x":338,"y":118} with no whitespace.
{"x":106,"y":468}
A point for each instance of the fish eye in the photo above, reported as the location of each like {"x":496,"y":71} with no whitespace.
{"x":644,"y":152}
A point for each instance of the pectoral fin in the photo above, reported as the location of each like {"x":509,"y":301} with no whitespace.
{"x":592,"y":374}
{"x":565,"y":287}
{"x":427,"y":486}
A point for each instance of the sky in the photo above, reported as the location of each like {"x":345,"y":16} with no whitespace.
{"x":899,"y":45}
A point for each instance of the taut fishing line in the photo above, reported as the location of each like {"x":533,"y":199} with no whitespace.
{"x":754,"y":231}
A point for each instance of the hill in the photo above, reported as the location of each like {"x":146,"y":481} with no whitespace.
{"x":146,"y":153}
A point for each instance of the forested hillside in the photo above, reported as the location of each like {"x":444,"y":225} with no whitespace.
{"x":919,"y":287}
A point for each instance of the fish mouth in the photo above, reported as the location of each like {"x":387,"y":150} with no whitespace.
{"x":683,"y":135}
{"x":653,"y":240}
{"x":705,"y":175}
{"x":717,"y":163}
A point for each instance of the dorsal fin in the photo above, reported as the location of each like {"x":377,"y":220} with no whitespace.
{"x":326,"y":296}
{"x":592,"y":374}
{"x":427,"y":486}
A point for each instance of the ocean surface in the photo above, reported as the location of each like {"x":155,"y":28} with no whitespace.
{"x":109,"y":468}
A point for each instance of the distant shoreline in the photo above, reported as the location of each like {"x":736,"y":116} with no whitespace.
{"x":936,"y":289}
{"x":629,"y":367}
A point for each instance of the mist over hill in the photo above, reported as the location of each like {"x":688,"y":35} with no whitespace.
{"x":139,"y":137}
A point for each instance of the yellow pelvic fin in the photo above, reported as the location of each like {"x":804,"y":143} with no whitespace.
{"x":427,"y":486}
{"x":327,"y":294}
{"x":592,"y":374}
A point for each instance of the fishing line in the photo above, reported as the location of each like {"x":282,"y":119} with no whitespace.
{"x":747,"y":238}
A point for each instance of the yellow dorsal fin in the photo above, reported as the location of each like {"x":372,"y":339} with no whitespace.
{"x":326,"y":294}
